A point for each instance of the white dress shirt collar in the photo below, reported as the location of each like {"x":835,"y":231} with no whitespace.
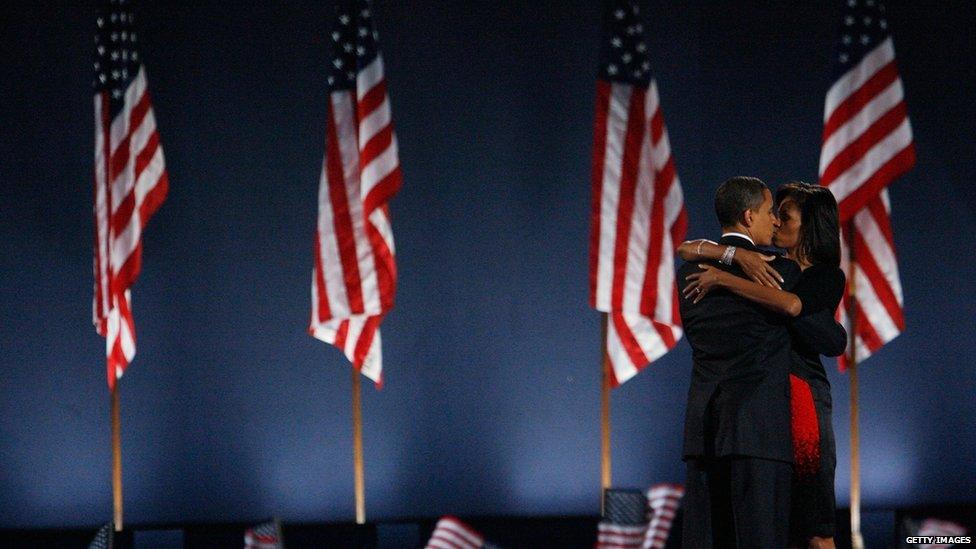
{"x":740,"y":235}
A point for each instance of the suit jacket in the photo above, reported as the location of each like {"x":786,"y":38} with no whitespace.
{"x":739,"y":399}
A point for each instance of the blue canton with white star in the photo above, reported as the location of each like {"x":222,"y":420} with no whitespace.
{"x":116,"y":56}
{"x":354,"y":43}
{"x":864,"y":25}
{"x":623,"y":55}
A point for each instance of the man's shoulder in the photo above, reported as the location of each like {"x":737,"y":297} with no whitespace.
{"x":685,"y":269}
{"x":689,"y":267}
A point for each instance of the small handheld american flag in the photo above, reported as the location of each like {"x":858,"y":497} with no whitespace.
{"x":635,"y":519}
{"x":663,"y":501}
{"x":104,"y":538}
{"x":637,"y":215}
{"x":624,"y":523}
{"x":130,"y":178}
{"x":867,"y":144}
{"x":266,"y":535}
{"x":354,"y":279}
{"x":933,"y":528}
{"x":451,"y":533}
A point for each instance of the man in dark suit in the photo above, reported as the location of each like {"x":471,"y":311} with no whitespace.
{"x":737,"y":443}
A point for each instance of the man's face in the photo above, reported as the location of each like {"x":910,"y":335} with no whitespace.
{"x":764,"y":221}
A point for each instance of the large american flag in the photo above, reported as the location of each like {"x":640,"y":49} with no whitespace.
{"x":867,"y":143}
{"x":354,"y":279}
{"x":638,"y":213}
{"x":130,"y":178}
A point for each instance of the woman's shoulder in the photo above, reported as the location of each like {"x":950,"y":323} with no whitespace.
{"x":825,"y":274}
{"x":824,"y":270}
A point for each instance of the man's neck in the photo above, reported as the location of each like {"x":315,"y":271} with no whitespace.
{"x":735,"y":232}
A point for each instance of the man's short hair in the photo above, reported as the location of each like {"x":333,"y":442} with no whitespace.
{"x":735,"y":196}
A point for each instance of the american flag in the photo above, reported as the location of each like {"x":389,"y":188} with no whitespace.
{"x":103,"y":538}
{"x":663,"y":501}
{"x":638,"y":214}
{"x":624,"y":524}
{"x":130,"y":178}
{"x":935,"y":528}
{"x":867,"y":143}
{"x":354,"y":279}
{"x":451,"y":533}
{"x":266,"y":535}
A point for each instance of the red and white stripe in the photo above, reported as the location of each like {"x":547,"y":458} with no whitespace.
{"x":266,"y":535}
{"x":663,"y":502}
{"x":936,"y":528}
{"x":354,"y":279}
{"x":451,"y":533}
{"x":618,"y":536}
{"x":867,"y":144}
{"x":130,"y":184}
{"x":637,"y":220}
{"x":254,"y":540}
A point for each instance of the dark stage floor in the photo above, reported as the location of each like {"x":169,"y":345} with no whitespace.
{"x":882,"y":528}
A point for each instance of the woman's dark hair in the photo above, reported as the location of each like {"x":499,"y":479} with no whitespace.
{"x":819,"y":239}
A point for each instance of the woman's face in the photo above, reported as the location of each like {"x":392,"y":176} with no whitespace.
{"x":788,"y":235}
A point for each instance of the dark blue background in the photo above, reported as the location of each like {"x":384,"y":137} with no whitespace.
{"x":232,"y":412}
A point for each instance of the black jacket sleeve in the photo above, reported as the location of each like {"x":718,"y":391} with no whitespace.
{"x":820,"y":289}
{"x":820,"y":333}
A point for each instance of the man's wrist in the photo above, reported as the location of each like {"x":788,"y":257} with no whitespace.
{"x":728,"y":255}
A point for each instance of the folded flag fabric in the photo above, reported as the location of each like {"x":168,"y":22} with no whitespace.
{"x":452,"y":533}
{"x":266,"y":535}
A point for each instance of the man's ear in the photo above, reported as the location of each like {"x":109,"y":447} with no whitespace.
{"x":747,"y":217}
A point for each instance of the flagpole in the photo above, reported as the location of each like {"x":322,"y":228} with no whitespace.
{"x":357,"y":448}
{"x":116,"y":459}
{"x":857,"y":541}
{"x":605,"y":469}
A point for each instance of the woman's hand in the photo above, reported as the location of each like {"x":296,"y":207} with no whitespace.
{"x":756,"y":266}
{"x":703,"y":282}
